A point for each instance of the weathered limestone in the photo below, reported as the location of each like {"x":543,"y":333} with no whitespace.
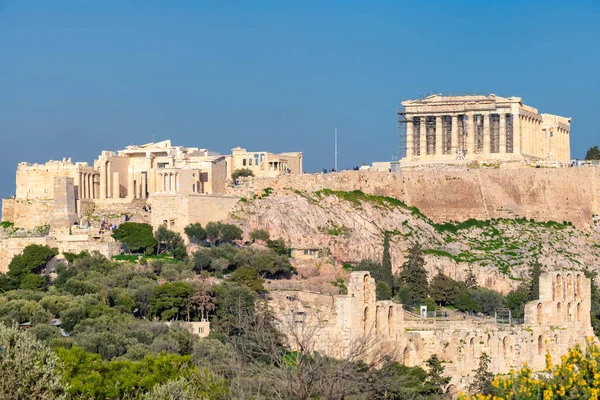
{"x":176,"y":211}
{"x":335,"y":325}
{"x":64,"y":215}
{"x":544,"y":194}
{"x":498,"y":129}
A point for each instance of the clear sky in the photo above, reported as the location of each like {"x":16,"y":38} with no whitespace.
{"x":77,"y":77}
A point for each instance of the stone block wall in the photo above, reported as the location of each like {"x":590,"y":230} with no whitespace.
{"x":178,"y":211}
{"x":559,"y":194}
{"x":335,"y":324}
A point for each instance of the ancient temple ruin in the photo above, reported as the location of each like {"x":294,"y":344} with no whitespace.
{"x":443,"y":128}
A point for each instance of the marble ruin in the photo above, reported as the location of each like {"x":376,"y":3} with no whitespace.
{"x":337,"y":325}
{"x":135,"y":175}
{"x":443,"y":128}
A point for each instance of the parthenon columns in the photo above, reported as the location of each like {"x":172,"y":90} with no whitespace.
{"x":438,"y":134}
{"x":486,"y":133}
{"x":409,"y":139}
{"x":423,"y":136}
{"x":454,"y":133}
{"x":502,"y":143}
{"x":470,"y":132}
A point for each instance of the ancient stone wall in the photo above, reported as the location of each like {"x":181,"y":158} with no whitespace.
{"x":178,"y":211}
{"x":9,"y":247}
{"x":559,"y":194}
{"x":336,"y":325}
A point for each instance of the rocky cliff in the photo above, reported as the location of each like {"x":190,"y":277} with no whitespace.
{"x":350,"y":224}
{"x":544,"y":194}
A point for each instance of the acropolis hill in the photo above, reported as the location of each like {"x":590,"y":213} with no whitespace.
{"x":493,"y":214}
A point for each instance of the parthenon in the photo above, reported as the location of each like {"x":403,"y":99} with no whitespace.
{"x":474,"y":127}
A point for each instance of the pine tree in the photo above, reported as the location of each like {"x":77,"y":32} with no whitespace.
{"x":471,"y":279}
{"x":386,"y":263}
{"x":413,"y":276}
{"x":482,"y":382}
{"x":534,"y":281}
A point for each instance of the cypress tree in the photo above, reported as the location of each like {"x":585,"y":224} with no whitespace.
{"x":413,"y":276}
{"x":386,"y":263}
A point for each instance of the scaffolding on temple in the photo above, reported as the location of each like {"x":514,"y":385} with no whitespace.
{"x":402,"y":132}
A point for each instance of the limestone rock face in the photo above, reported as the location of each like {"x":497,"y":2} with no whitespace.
{"x":350,"y":226}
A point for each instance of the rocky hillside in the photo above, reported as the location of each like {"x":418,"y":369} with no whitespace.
{"x":351,"y":226}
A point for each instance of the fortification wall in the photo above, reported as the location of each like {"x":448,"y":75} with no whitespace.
{"x":337,"y":325}
{"x":8,"y":210}
{"x":178,"y":211}
{"x":27,"y":213}
{"x":9,"y":247}
{"x":559,"y":194}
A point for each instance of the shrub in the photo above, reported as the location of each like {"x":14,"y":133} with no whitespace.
{"x":260,"y":234}
{"x":138,"y":237}
{"x":195,"y":232}
{"x":30,"y":369}
{"x":239,"y":173}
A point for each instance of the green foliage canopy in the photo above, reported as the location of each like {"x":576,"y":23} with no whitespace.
{"x":137,"y":236}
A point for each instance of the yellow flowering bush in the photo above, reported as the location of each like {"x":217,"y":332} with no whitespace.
{"x":577,"y":376}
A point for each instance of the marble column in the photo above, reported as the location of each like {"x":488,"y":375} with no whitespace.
{"x":422,"y":136}
{"x":143,"y":184}
{"x":438,"y":135}
{"x":502,"y":135}
{"x":454,"y":133}
{"x":103,"y":181}
{"x":89,"y":186}
{"x":487,"y":123}
{"x":470,"y":133}
{"x":516,"y":134}
{"x":409,"y":139}
{"x":109,"y":180}
{"x":79,"y":182}
{"x":130,"y":183}
{"x":151,"y":181}
{"x":116,"y":194}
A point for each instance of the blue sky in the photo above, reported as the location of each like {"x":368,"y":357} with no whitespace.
{"x":77,"y":77}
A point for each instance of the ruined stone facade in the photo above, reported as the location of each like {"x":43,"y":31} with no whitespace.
{"x":264,"y":164}
{"x":483,"y":128}
{"x":62,"y":192}
{"x":335,"y":325}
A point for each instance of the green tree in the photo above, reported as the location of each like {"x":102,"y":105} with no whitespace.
{"x":138,"y":237}
{"x":201,"y":260}
{"x":482,"y":381}
{"x":442,"y":289}
{"x":168,"y":241}
{"x":24,"y":269}
{"x":373,"y":267}
{"x":200,"y":385}
{"x":195,"y":232}
{"x":260,"y":234}
{"x":91,"y":377}
{"x":594,"y":300}
{"x":219,"y":233}
{"x":249,"y":277}
{"x":436,"y":381}
{"x":239,"y":173}
{"x":471,"y":279}
{"x":383,"y":291}
{"x":169,"y":300}
{"x":30,"y":370}
{"x":386,"y":263}
{"x":413,"y":276}
{"x":488,"y":300}
{"x":535,"y":270}
{"x":593,"y":153}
